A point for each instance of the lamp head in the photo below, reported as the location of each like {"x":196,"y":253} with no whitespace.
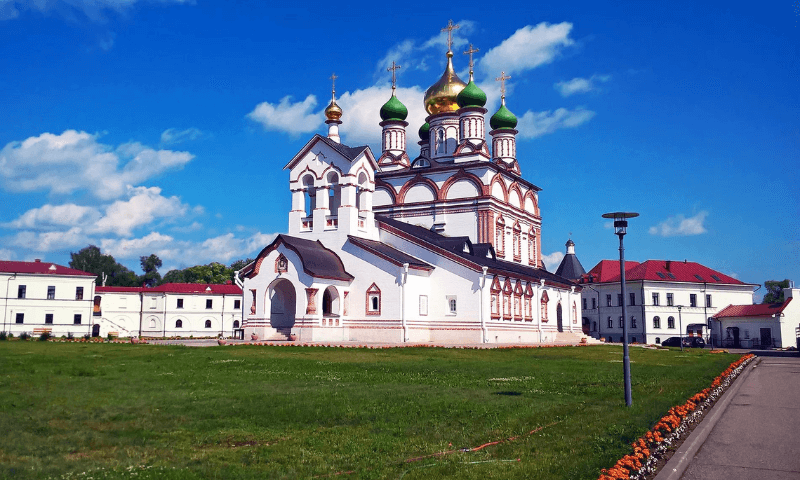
{"x":620,"y":221}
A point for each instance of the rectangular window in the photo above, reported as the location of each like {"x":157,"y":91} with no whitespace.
{"x":237,"y":304}
{"x":77,"y":319}
{"x":608,"y":300}
{"x":633,"y":299}
{"x":452,"y":304}
{"x":594,"y":303}
{"x":670,"y":300}
{"x":692,"y":300}
{"x":78,"y":293}
{"x":48,"y":318}
{"x":708,"y":301}
{"x":21,"y":290}
{"x":619,"y":299}
{"x":51,"y":292}
{"x":610,"y":323}
{"x":20,"y":318}
{"x":584,"y":304}
{"x":423,"y":305}
{"x":180,"y":303}
{"x":209,"y":304}
{"x":656,"y":301}
{"x":671,"y":322}
{"x":153,"y":302}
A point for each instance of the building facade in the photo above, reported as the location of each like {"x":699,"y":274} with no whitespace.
{"x":665,"y":298}
{"x":444,"y":248}
{"x":765,"y":325}
{"x":169,"y":310}
{"x":42,"y":296}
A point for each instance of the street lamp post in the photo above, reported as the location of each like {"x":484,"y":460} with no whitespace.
{"x":680,"y":326}
{"x":620,"y":228}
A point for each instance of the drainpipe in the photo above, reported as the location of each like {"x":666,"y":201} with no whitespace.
{"x":5,"y":307}
{"x":222,"y":318}
{"x":240,"y":284}
{"x":705,"y":312}
{"x":644,"y":319}
{"x":141,"y":311}
{"x":403,"y":279}
{"x":484,"y":333}
{"x":539,"y":309}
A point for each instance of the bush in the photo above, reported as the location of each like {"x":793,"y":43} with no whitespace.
{"x":70,"y":336}
{"x":45,"y":336}
{"x":87,"y":337}
{"x":3,"y":336}
{"x":10,"y":335}
{"x":24,"y":336}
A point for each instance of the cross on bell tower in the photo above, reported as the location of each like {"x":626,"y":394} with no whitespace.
{"x":450,"y":27}
{"x":394,"y":69}
{"x":471,"y":63}
{"x":502,"y":79}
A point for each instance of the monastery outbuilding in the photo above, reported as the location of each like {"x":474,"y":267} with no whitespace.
{"x":441,"y":248}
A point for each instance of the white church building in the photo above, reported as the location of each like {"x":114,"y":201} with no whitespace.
{"x":443,"y":248}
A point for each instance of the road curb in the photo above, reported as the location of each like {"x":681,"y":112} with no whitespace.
{"x":680,"y":461}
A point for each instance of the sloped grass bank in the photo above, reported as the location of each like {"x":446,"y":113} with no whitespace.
{"x":139,"y":411}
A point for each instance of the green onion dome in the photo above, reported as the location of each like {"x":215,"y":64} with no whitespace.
{"x":393,"y":110}
{"x":471,"y":96}
{"x":425,"y":131}
{"x":503,"y":119}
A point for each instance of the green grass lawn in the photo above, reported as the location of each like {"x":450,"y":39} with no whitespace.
{"x":143,"y":411}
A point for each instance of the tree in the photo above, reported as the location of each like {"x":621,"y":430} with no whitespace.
{"x":90,"y":259}
{"x":237,"y":266}
{"x":775,"y":290}
{"x":150,"y":266}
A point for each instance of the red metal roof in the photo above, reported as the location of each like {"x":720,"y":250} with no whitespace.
{"x":660,"y":271}
{"x":102,"y":289}
{"x":41,"y":268}
{"x":197,"y":288}
{"x":758,"y":310}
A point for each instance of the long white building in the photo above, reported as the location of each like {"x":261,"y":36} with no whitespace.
{"x":42,"y":296}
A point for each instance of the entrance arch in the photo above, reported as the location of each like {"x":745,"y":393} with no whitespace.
{"x":330,"y":302}
{"x":283,"y":302}
{"x":559,"y":318}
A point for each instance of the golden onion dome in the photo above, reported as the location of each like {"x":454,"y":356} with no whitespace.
{"x":441,"y":96}
{"x":333,"y":111}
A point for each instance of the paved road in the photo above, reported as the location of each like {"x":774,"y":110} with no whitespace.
{"x":756,"y":435}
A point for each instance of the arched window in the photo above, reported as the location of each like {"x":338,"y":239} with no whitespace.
{"x":373,"y":300}
{"x":610,"y":323}
{"x":545,"y":299}
{"x":658,"y":339}
{"x":500,"y":236}
{"x":671,"y":322}
{"x":621,"y":322}
{"x":236,"y":324}
{"x":516,"y":243}
{"x":178,"y":323}
{"x":208,"y":323}
{"x":440,"y":143}
{"x":574,"y":313}
{"x":594,"y":326}
{"x":633,"y":322}
{"x":334,"y":193}
{"x":532,"y":260}
{"x":330,"y":302}
{"x":495,"y":290}
{"x":656,"y":324}
{"x":310,"y":195}
{"x":152,"y":323}
{"x":96,"y":310}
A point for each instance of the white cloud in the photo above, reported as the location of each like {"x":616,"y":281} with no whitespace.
{"x":143,"y":206}
{"x":681,"y":226}
{"x":580,"y":85}
{"x":465,"y":27}
{"x":527,"y":48}
{"x":286,"y":116}
{"x":55,"y":216}
{"x":173,"y":136}
{"x":223,"y":248}
{"x":553,"y":260}
{"x":49,"y":241}
{"x":93,"y":9}
{"x":75,"y":161}
{"x":361,"y":114}
{"x":536,"y":124}
{"x":6,"y":254}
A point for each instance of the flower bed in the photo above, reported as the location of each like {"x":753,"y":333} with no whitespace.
{"x":649,"y":449}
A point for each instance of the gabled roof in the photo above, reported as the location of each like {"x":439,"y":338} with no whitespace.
{"x":571,"y":267}
{"x":206,"y":288}
{"x":350,"y":153}
{"x":758,"y":310}
{"x":318,"y":261}
{"x":389,"y":253}
{"x":463,"y":248}
{"x":40,"y":268}
{"x":102,"y":289}
{"x":660,"y":271}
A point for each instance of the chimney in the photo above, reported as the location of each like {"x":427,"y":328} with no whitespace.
{"x":669,"y":262}
{"x":38,"y":260}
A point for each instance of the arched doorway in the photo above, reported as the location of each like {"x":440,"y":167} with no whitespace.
{"x":330,"y":302}
{"x":96,"y":330}
{"x":283,"y":301}
{"x":559,"y":318}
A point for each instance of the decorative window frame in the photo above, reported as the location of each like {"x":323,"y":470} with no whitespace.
{"x":452,"y":304}
{"x":496,"y":305}
{"x":507,"y":301}
{"x":574,"y":312}
{"x":500,"y":236}
{"x":373,"y":292}
{"x":656,"y":322}
{"x":281,"y":264}
{"x":528,"y":294}
{"x":532,"y":260}
{"x":516,"y":242}
{"x":543,"y":306}
{"x":253,"y":304}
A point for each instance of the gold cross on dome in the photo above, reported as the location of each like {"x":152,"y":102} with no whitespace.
{"x":450,"y":27}
{"x":502,"y":79}
{"x":394,"y":69}
{"x":333,"y":81}
{"x":470,"y":52}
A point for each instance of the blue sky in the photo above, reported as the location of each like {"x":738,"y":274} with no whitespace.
{"x":162,"y":126}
